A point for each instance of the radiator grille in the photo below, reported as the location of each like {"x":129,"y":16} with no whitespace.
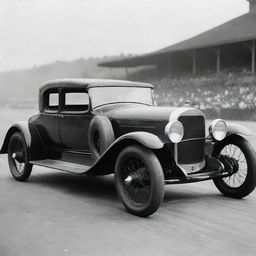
{"x":192,"y":151}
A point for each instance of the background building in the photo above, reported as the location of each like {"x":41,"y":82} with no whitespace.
{"x":228,"y":46}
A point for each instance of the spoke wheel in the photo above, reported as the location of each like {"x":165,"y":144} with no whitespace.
{"x":139,"y":180}
{"x":136,"y":181}
{"x":236,"y":154}
{"x":242,"y":181}
{"x":18,"y":158}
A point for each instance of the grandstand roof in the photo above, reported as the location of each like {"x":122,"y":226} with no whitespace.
{"x":240,"y":29}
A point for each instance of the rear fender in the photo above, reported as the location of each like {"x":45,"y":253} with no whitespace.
{"x":233,"y":128}
{"x":106,"y":163}
{"x":34,"y":143}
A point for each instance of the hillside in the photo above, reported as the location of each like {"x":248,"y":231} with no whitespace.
{"x":20,"y":87}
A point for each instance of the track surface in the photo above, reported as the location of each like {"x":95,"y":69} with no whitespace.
{"x":56,"y":213}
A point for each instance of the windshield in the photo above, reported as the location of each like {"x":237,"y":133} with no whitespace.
{"x":108,"y":95}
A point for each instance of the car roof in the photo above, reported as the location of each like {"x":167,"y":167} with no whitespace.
{"x":89,"y":83}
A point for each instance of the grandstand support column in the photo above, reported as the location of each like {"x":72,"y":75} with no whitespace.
{"x":192,"y":54}
{"x":217,"y":51}
{"x":253,"y":56}
{"x":251,"y":47}
{"x":218,"y":60}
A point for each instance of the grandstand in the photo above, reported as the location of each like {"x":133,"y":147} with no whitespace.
{"x":215,"y":70}
{"x":230,"y":45}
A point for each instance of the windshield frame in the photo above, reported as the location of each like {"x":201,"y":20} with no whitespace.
{"x":120,"y":102}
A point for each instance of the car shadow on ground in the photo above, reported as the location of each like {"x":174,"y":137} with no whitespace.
{"x":103,"y":187}
{"x":179,"y":196}
{"x":79,"y":185}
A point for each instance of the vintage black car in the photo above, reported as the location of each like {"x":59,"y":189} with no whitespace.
{"x":100,"y":127}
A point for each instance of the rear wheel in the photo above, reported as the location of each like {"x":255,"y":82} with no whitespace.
{"x":18,"y":158}
{"x":241,"y":156}
{"x":139,"y":180}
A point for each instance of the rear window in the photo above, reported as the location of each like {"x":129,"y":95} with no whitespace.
{"x":51,"y":101}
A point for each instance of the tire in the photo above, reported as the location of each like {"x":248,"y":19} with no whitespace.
{"x":18,"y":157}
{"x":246,"y":168}
{"x":146,"y":179}
{"x":101,"y":136}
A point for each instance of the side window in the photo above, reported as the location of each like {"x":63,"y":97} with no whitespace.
{"x":76,"y":101}
{"x":51,"y":101}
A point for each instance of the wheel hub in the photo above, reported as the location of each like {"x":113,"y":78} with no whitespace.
{"x":231,"y":164}
{"x":136,"y":178}
{"x":18,"y":156}
{"x":128,"y":180}
{"x":133,"y":179}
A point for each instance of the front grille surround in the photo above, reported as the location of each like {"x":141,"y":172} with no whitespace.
{"x":191,"y":149}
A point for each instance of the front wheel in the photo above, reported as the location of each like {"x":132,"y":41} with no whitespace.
{"x":139,"y":180}
{"x":243,"y":180}
{"x":18,"y":157}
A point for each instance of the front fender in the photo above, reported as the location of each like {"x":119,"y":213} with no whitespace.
{"x":106,"y":166}
{"x":35,"y":146}
{"x":233,"y":128}
{"x":147,"y":139}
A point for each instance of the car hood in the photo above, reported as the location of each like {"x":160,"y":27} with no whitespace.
{"x":144,"y":113}
{"x":131,"y":118}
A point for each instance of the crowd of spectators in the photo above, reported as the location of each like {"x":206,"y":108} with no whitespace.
{"x":226,"y":91}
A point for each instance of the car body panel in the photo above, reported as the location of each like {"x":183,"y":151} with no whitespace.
{"x":47,"y":125}
{"x":34,"y":143}
{"x":72,"y":128}
{"x":140,"y":118}
{"x":56,"y":137}
{"x":103,"y":166}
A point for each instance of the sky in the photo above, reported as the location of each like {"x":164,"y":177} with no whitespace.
{"x":36,"y":32}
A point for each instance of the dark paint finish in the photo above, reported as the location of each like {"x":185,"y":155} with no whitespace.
{"x":145,"y":113}
{"x":34,"y":143}
{"x":47,"y":125}
{"x":85,"y":84}
{"x":73,"y":131}
{"x":127,"y":118}
{"x":64,"y":132}
{"x":103,"y":166}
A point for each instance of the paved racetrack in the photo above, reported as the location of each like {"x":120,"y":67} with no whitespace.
{"x":56,"y":213}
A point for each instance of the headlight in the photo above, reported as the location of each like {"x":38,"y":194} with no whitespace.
{"x":218,"y":129}
{"x":175,"y":131}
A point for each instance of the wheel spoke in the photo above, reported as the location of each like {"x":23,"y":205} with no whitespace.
{"x":238,"y":178}
{"x":18,"y":150}
{"x":136,"y":181}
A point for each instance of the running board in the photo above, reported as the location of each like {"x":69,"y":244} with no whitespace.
{"x":198,"y":177}
{"x":62,"y":165}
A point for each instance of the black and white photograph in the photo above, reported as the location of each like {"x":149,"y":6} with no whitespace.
{"x":127,"y":127}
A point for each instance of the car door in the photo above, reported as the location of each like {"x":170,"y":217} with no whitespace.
{"x":74,"y":119}
{"x":47,"y":122}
